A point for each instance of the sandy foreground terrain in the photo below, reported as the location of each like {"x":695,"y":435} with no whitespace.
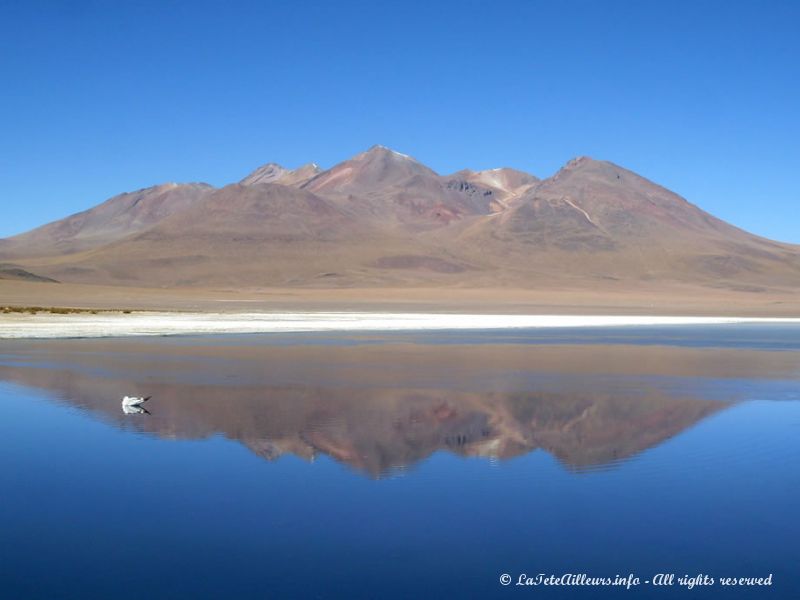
{"x":176,"y":312}
{"x":628,"y":299}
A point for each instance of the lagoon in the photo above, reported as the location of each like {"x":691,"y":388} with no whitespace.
{"x":401,"y":464}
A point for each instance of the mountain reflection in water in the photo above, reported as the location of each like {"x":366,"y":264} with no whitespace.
{"x":379,"y":430}
{"x":442,"y":463}
{"x":385,"y":408}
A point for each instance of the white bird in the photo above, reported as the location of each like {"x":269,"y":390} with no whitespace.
{"x":132,"y":405}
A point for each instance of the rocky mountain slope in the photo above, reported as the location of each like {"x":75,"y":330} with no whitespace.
{"x":382,"y":218}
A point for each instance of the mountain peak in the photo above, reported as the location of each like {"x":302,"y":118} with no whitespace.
{"x":268,"y":173}
{"x":378,"y":150}
{"x":504,"y":182}
{"x":275,"y":173}
{"x":585,"y":166}
{"x":385,"y":158}
{"x":378,"y":166}
{"x":579,"y":160}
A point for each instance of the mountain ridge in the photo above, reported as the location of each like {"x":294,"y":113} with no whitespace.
{"x":382,"y":218}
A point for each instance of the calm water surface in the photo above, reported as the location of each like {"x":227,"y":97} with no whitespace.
{"x":402,"y":465}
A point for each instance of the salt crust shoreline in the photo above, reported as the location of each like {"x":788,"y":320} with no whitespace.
{"x":49,"y":326}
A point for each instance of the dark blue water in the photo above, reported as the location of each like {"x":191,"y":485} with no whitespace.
{"x":393,"y":489}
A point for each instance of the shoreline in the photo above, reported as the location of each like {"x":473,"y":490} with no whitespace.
{"x":641,"y":299}
{"x":108,"y":325}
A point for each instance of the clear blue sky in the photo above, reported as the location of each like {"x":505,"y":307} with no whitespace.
{"x":100,"y":97}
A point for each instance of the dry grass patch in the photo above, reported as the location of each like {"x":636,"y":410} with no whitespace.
{"x":55,"y":310}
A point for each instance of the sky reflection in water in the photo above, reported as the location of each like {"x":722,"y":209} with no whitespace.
{"x":394,"y":468}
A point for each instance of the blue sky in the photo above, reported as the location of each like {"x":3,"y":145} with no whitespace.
{"x":102,"y":97}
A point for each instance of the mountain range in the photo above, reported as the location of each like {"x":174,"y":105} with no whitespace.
{"x":383,"y":219}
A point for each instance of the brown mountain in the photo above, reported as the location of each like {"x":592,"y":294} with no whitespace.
{"x":232,"y":237}
{"x":393,"y":187}
{"x":593,"y":218}
{"x":114,"y":219}
{"x":384,"y":219}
